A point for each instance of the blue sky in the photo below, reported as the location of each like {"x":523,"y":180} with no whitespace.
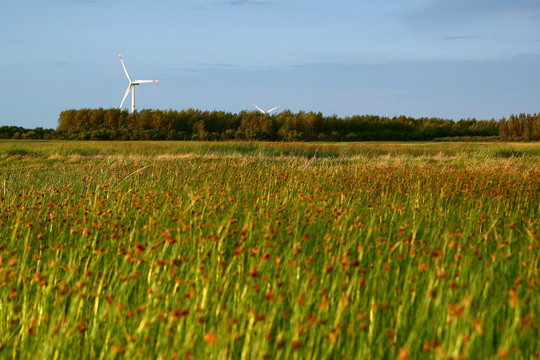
{"x":437,"y":58}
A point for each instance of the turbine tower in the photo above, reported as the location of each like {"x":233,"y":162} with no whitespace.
{"x":268,"y":111}
{"x":131,"y":86}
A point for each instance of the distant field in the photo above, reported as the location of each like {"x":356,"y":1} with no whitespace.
{"x":239,"y":250}
{"x":44,"y":148}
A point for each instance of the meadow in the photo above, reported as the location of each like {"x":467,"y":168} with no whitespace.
{"x":240,"y":250}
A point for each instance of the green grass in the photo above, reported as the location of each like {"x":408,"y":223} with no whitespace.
{"x":277,"y":250}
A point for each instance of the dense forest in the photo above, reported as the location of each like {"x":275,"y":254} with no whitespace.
{"x":192,"y":124}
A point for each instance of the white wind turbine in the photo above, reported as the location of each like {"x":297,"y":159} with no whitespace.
{"x":268,"y":111}
{"x":131,"y":86}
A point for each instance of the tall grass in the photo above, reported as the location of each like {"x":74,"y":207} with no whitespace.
{"x":247,"y":251}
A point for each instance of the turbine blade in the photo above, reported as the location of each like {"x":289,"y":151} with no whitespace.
{"x":125,"y":96}
{"x":137,"y":82}
{"x":272,"y":109}
{"x":261,"y":110}
{"x":124,"y":66}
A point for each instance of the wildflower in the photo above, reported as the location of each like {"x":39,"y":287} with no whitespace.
{"x":456,"y":310}
{"x":12,"y":262}
{"x":512,"y":294}
{"x":210,"y":338}
{"x":403,"y":353}
{"x":253,"y":272}
{"x":119,"y":350}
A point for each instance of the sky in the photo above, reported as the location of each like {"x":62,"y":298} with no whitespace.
{"x":449,"y":59}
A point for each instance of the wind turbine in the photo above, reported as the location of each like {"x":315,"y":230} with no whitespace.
{"x":131,"y":86}
{"x":268,"y":111}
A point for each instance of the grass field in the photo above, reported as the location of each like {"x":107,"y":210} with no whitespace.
{"x":269,"y":250}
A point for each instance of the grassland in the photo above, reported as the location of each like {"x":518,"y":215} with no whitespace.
{"x":269,"y":250}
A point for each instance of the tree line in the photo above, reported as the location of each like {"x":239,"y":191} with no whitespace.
{"x":193,"y":124}
{"x":520,"y":127}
